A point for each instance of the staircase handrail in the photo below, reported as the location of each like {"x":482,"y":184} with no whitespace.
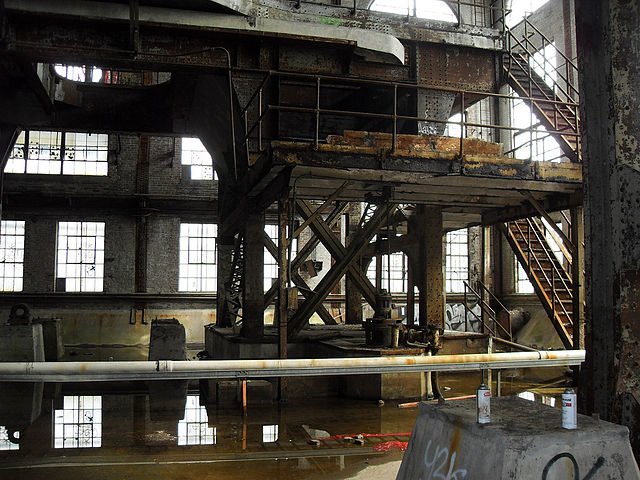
{"x":484,"y":307}
{"x":568,"y":63}
{"x":566,"y":94}
{"x":551,"y":282}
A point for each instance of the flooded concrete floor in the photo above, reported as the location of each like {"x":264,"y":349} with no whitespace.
{"x":125,"y":431}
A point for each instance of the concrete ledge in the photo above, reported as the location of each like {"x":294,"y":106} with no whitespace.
{"x":524,"y":441}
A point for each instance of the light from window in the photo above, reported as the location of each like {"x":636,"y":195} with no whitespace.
{"x":453,"y":129}
{"x":523,"y":285}
{"x":79,"y":74}
{"x":521,"y":9}
{"x":53,"y":153}
{"x":11,"y":255}
{"x":85,"y":154}
{"x":271,"y":263}
{"x":269,"y":433}
{"x":555,"y":248}
{"x":81,"y":256}
{"x":194,"y":429}
{"x":398,"y":269}
{"x":456,"y":260}
{"x":531,"y":140}
{"x":527,"y":396}
{"x":195,"y":154}
{"x":197,"y":269}
{"x":79,"y":423}
{"x":428,"y":9}
{"x":5,"y":443}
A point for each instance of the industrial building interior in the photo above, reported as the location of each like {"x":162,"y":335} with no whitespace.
{"x":213,"y":180}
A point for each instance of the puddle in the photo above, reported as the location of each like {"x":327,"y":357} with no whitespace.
{"x":113,"y":431}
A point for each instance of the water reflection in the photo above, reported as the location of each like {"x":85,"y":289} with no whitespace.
{"x":533,"y":397}
{"x":79,"y":423}
{"x":5,"y":442}
{"x":133,"y":430}
{"x":269,"y":433}
{"x":194,"y":429}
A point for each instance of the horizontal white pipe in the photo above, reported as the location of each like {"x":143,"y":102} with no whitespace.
{"x":168,"y":369}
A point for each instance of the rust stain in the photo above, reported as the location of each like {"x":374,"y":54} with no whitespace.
{"x":455,"y":441}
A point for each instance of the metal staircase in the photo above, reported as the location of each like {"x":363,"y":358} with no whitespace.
{"x":555,"y":105}
{"x":550,"y":279}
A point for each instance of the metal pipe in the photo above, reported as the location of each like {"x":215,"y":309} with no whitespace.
{"x":242,"y":369}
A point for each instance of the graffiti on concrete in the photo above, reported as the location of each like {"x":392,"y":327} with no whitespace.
{"x":454,"y":318}
{"x":576,"y":468}
{"x":439,"y":464}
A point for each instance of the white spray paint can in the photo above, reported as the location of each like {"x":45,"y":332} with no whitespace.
{"x":483,"y":404}
{"x":569,"y":410}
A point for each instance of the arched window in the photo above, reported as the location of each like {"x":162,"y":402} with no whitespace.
{"x":429,"y":9}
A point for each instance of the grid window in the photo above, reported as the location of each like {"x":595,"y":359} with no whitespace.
{"x":523,"y":285}
{"x":457,"y":260}
{"x":399,"y":270}
{"x":55,"y":153}
{"x":5,"y":443}
{"x":270,"y":263}
{"x":79,"y":423}
{"x":198,"y":269}
{"x":196,"y":155}
{"x":269,"y":433}
{"x":81,"y":256}
{"x":11,"y":255}
{"x":194,"y":429}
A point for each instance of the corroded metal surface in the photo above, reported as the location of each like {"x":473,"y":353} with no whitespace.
{"x":610,"y":56}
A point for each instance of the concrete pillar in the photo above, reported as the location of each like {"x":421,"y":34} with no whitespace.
{"x":253,"y":293}
{"x":609,"y":57}
{"x":430,"y":275}
{"x":168,"y":340}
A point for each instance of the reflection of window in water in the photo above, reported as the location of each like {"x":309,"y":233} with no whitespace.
{"x":527,"y":396}
{"x":195,"y":429}
{"x":269,"y":433}
{"x":79,"y":423}
{"x":5,"y":444}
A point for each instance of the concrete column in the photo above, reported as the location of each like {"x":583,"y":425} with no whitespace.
{"x":253,"y":293}
{"x":430,"y":279}
{"x":609,"y":57}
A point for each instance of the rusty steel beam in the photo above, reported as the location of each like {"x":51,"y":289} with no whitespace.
{"x":337,"y":251}
{"x":338,"y":270}
{"x":321,"y":208}
{"x":270,"y":295}
{"x":313,"y":242}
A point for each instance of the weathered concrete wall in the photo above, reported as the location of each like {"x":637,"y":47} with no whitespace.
{"x":609,"y":54}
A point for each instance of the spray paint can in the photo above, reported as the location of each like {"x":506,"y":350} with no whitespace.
{"x":483,"y":404}
{"x":569,"y":410}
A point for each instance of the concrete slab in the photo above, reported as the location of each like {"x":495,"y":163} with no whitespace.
{"x":168,"y":340}
{"x":523,"y":441}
